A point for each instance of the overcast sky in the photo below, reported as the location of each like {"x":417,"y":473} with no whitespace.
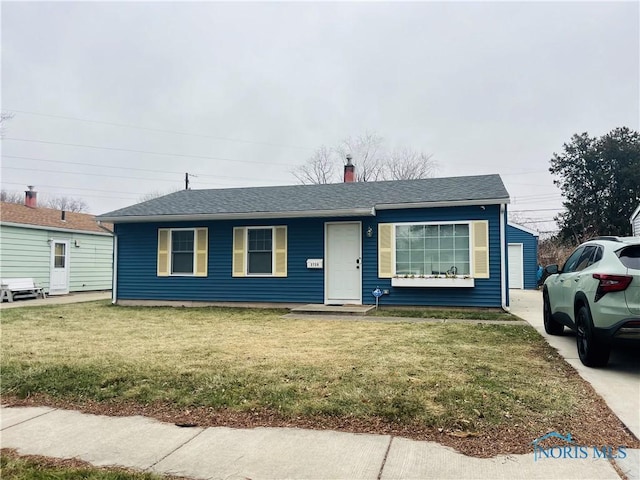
{"x":238,"y":94}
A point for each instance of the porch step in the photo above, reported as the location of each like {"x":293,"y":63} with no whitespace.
{"x":317,"y":309}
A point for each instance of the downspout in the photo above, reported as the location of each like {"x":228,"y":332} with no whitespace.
{"x":114,"y":280}
{"x":503,"y":281}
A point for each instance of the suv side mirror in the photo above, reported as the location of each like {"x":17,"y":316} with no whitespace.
{"x":551,"y":269}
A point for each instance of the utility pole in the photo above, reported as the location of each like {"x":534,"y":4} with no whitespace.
{"x":186,"y":181}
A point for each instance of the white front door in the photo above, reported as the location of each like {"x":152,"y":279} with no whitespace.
{"x":343,"y":269}
{"x":516,"y":279}
{"x":59,"y":278}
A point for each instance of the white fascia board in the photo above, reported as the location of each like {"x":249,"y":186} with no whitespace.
{"x":55,"y":229}
{"x":635,"y":213}
{"x":353,"y":212}
{"x":524,"y":229}
{"x":451,"y":203}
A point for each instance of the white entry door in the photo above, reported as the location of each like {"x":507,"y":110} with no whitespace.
{"x":516,"y":269}
{"x":343,"y":269}
{"x":59,"y":278}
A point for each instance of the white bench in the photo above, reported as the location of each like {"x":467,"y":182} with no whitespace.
{"x":12,"y":288}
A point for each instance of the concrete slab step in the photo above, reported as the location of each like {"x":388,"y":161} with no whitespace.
{"x":318,"y":309}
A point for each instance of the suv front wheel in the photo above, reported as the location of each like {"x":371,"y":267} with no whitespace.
{"x":551,"y":326}
{"x":592,"y":353}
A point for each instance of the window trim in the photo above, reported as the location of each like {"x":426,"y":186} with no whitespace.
{"x":170,"y":259}
{"x":246,"y":253}
{"x":394,"y":273}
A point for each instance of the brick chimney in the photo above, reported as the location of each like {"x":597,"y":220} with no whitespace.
{"x":31,"y":197}
{"x":349,"y":171}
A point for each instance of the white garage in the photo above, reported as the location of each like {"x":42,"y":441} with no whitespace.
{"x":522,"y":256}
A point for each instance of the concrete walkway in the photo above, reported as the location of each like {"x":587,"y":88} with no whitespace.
{"x":76,"y":297}
{"x":264,"y":453}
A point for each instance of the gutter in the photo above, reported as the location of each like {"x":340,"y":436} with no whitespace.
{"x":445,"y":203}
{"x":351,"y":212}
{"x":104,"y":228}
{"x":503,"y":273}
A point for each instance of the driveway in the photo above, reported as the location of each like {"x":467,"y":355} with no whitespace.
{"x":618,"y":383}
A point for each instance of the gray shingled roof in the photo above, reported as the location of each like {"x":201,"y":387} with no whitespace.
{"x":308,"y":199}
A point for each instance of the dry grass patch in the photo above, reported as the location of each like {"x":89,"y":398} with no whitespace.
{"x":474,"y":379}
{"x":36,"y":467}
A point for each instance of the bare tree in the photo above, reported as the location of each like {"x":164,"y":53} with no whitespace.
{"x":408,"y":164}
{"x":4,"y":116}
{"x":68,"y":204}
{"x":321,"y":167}
{"x":11,"y":197}
{"x":373,"y":162}
{"x":368,"y":151}
{"x":155,"y":194}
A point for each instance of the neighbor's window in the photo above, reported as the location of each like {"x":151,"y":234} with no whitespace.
{"x":182,"y":251}
{"x":260,"y":251}
{"x":428,"y":249}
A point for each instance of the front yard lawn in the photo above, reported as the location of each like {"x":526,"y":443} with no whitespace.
{"x":484,"y":389}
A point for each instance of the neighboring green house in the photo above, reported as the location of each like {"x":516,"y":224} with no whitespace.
{"x":62,"y":251}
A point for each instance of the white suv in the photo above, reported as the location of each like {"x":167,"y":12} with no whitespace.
{"x":596,"y":293}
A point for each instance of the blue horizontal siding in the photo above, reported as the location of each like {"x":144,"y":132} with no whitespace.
{"x":485,"y":293}
{"x":529,"y":254}
{"x":137,"y":256}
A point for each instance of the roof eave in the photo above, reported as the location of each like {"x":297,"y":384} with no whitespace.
{"x":447,"y":203}
{"x":524,"y":229}
{"x":105,"y":233}
{"x":351,"y":212}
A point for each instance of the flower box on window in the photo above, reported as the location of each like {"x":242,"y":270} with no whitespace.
{"x":440,"y":281}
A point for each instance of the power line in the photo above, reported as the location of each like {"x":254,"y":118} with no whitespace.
{"x":158,"y":130}
{"x":128,"y":168}
{"x":73,"y":188}
{"x":147,"y":152}
{"x":524,"y":172}
{"x":91,"y":174}
{"x":538,"y":210}
{"x":105,"y":175}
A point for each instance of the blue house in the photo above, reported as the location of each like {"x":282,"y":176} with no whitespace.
{"x":439,"y":241}
{"x":522,"y":256}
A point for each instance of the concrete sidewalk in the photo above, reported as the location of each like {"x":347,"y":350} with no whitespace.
{"x":76,"y":297}
{"x":264,"y":453}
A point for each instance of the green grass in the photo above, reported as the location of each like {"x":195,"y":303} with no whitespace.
{"x":444,"y":314}
{"x":13,"y":467}
{"x":442,"y":375}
